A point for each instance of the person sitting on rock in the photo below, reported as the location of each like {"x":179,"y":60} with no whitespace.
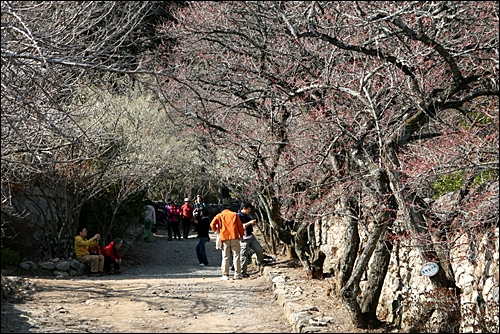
{"x":83,"y":255}
{"x":111,"y":255}
{"x":95,"y":250}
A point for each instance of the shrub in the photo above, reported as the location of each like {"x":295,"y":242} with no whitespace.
{"x":485,"y":177}
{"x":448,"y":183}
{"x":9,"y":257}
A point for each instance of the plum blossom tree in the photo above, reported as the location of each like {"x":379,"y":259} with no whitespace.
{"x":350,"y":108}
{"x":60,"y":62}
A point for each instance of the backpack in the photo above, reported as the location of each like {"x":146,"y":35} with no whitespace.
{"x":198,"y":210}
{"x":204,"y":212}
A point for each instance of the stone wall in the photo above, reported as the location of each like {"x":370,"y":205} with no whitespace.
{"x":64,"y":268}
{"x":46,"y":223}
{"x":407,"y":294}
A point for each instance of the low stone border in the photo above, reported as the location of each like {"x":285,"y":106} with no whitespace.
{"x":64,"y":268}
{"x":303,"y":318}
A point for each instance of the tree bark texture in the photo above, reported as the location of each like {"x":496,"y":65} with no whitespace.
{"x":351,"y":246}
{"x":376,"y":276}
{"x":317,"y":257}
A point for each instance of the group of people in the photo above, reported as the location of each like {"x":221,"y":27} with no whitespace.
{"x":234,"y":231}
{"x":186,"y":215}
{"x":100,"y":260}
{"x":177,"y":217}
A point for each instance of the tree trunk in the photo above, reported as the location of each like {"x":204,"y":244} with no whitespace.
{"x":376,"y":276}
{"x":300,"y":243}
{"x":366,"y":317}
{"x":351,"y":290}
{"x":290,"y":252}
{"x":272,"y":210}
{"x":317,"y":261}
{"x":308,"y":252}
{"x":316,"y":256}
{"x":273,"y":240}
{"x":386,"y":209}
{"x":351,"y":246}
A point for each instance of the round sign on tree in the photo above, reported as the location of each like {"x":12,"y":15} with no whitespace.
{"x":429,"y":269}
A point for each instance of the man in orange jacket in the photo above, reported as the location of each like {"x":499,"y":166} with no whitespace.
{"x":230,"y":229}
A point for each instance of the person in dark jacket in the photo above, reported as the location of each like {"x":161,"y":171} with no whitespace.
{"x":198,"y":207}
{"x":249,"y":240}
{"x":203,"y":228}
{"x":112,"y":256}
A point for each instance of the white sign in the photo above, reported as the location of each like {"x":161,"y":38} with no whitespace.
{"x":429,"y":269}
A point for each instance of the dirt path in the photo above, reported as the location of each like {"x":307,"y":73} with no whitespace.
{"x":162,"y":289}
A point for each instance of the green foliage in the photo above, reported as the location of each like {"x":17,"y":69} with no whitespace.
{"x":448,"y":183}
{"x":484,"y":177}
{"x":455,"y":181}
{"x":97,"y":213}
{"x":477,"y":117}
{"x":480,"y":118}
{"x":9,"y":257}
{"x":132,"y":208}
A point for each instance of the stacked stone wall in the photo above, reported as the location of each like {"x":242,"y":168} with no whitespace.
{"x":407,"y":294}
{"x":45,"y":223}
{"x":68,"y":267}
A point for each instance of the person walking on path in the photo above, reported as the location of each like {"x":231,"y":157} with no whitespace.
{"x":186,"y":217}
{"x":166,"y":210}
{"x":249,"y":240}
{"x":197,"y":211}
{"x":203,"y":227}
{"x":82,"y":251}
{"x":149,"y":219}
{"x":112,"y":256}
{"x":230,"y":229}
{"x":173,"y":217}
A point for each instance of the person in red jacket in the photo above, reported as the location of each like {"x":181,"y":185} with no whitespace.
{"x":111,"y":255}
{"x":186,"y":217}
{"x":173,"y":215}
